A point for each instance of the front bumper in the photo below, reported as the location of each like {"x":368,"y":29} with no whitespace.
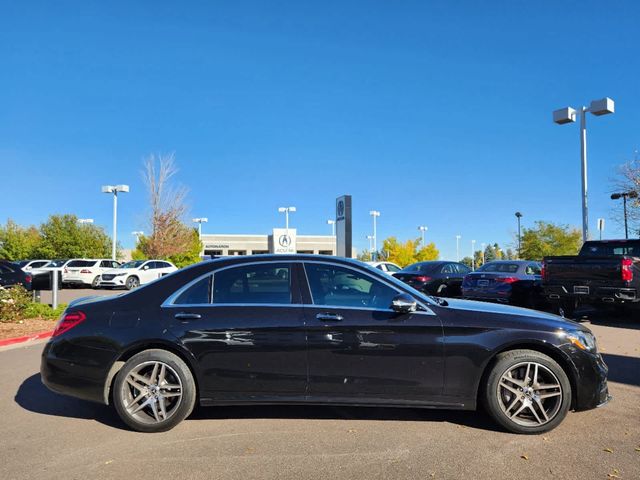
{"x":591,"y":386}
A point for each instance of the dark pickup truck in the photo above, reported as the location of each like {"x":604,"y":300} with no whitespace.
{"x":604,"y":272}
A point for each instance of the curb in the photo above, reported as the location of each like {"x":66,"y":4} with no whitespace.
{"x":27,"y":338}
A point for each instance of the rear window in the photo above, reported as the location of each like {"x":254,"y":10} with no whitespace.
{"x":499,"y":267}
{"x":420,"y":267}
{"x":81,"y":263}
{"x":631,"y":249}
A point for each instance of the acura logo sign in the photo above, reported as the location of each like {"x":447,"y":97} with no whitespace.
{"x":284,"y":241}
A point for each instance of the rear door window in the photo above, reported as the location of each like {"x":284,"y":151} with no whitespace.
{"x":253,"y":284}
{"x":197,"y":294}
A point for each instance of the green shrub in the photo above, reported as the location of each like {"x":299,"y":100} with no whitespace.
{"x":43,"y":310}
{"x":13,"y":303}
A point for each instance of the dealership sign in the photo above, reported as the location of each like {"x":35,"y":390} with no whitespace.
{"x":284,"y":240}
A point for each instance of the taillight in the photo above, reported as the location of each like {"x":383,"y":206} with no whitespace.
{"x":627,"y":270}
{"x":69,"y":321}
{"x":28,"y":278}
{"x":506,"y":279}
{"x":543,"y":271}
{"x":423,"y":279}
{"x":84,"y":270}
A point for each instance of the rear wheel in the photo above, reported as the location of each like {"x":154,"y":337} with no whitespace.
{"x":154,"y":391}
{"x":527,"y":392}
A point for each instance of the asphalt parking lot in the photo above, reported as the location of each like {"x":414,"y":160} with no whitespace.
{"x":44,"y":435}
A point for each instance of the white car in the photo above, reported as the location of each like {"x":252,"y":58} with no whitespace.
{"x":387,"y":267}
{"x":135,"y":273}
{"x":28,"y":265}
{"x":86,"y":271}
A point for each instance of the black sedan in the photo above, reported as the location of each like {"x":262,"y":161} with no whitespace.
{"x":11,"y":275}
{"x":440,"y":278}
{"x":513,"y":282}
{"x":304,"y":329}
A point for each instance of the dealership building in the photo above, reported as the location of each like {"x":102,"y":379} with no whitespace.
{"x":281,"y":240}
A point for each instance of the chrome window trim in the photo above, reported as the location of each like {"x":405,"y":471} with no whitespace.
{"x":169,"y":302}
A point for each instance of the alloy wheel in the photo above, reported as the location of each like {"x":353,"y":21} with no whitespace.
{"x":152,"y":392}
{"x":529,"y":394}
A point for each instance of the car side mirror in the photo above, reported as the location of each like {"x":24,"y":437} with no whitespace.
{"x":404,"y":303}
{"x":146,"y":267}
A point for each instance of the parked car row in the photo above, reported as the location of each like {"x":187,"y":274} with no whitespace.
{"x":85,"y":272}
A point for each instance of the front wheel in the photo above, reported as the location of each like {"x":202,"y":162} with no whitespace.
{"x":131,"y":283}
{"x":154,"y":391}
{"x":527,"y":392}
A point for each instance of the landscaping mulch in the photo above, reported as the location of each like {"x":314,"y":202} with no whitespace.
{"x":26,"y":327}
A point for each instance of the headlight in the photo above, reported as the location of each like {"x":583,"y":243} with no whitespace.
{"x":583,"y":340}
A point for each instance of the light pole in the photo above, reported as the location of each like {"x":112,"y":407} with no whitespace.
{"x":473,"y":254}
{"x":114,"y":189}
{"x":482,"y":246}
{"x":458,"y":237}
{"x":624,"y":196}
{"x":422,"y":229}
{"x":519,"y":216}
{"x":375,"y":214}
{"x":370,"y":238}
{"x":601,"y":226}
{"x":568,"y":115}
{"x":200,"y":221}
{"x":286,"y":211}
{"x":137,"y":234}
{"x":333,"y":226}
{"x":83,"y":221}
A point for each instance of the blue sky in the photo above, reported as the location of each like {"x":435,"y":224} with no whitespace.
{"x":434,"y":113}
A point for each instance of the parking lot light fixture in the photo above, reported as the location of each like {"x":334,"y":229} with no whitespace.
{"x":423,"y":229}
{"x":370,"y":238}
{"x":482,"y":246}
{"x":473,"y":254}
{"x":83,"y":221}
{"x":519,"y":216}
{"x":375,"y":214}
{"x":601,"y":226}
{"x":114,"y":190}
{"x":598,"y":108}
{"x":624,"y":196}
{"x":200,"y":221}
{"x":458,"y":237}
{"x":333,"y":227}
{"x":137,"y":234}
{"x":286,"y":211}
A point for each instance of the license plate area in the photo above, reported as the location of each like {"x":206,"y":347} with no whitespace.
{"x":483,"y":283}
{"x":580,"y":290}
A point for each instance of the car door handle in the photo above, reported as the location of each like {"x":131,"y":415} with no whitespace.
{"x":187,"y":316}
{"x":329,"y":317}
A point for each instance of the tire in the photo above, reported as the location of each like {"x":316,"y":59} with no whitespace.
{"x":138,"y":386}
{"x":524,"y":411}
{"x":131,"y":283}
{"x":94,"y":283}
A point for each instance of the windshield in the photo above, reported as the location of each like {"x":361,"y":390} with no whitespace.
{"x":55,"y":263}
{"x":422,"y":267}
{"x":499,"y":267}
{"x":82,"y":263}
{"x":132,"y":264}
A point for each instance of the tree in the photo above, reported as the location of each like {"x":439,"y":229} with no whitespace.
{"x":170,"y":238}
{"x":467,"y":261}
{"x":61,"y":236}
{"x":547,"y":239}
{"x":477,"y":256}
{"x":408,"y":252}
{"x":628,"y":180}
{"x":18,"y":243}
{"x":490,"y":254}
{"x":364,"y":256}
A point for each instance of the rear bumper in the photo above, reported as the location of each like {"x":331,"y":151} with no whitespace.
{"x":597,"y":294}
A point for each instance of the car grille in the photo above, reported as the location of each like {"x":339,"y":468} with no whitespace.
{"x":108,"y":277}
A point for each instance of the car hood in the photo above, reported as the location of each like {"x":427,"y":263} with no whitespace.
{"x":116,"y":271}
{"x":533,"y":318}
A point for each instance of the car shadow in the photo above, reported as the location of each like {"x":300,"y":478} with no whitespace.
{"x":623,"y":369}
{"x":33,"y":396}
